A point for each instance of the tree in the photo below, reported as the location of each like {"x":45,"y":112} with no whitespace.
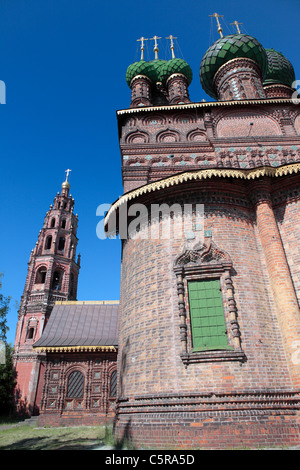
{"x":4,"y":308}
{"x":7,"y":372}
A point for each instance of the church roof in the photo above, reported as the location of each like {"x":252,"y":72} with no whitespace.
{"x":223,"y":50}
{"x":81,"y":324}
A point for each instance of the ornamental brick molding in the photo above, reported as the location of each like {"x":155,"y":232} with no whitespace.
{"x":206,"y":261}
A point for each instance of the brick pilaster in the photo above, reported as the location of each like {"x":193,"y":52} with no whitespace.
{"x":285,"y":298}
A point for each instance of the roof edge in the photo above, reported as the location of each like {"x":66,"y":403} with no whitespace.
{"x":246,"y":174}
{"x":87,"y":302}
{"x":75,"y":348}
{"x":205,"y":104}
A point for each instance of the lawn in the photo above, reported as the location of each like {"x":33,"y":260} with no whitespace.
{"x":26,"y":437}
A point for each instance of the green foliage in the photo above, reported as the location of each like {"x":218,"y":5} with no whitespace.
{"x":7,"y":383}
{"x":4,"y":308}
{"x":7,"y":372}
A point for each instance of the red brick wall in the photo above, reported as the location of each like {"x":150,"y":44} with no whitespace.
{"x":96,"y":406}
{"x":287,"y":215}
{"x":75,"y":419}
{"x":218,"y":431}
{"x":27,"y":374}
{"x":149,"y":288}
{"x":149,"y":359}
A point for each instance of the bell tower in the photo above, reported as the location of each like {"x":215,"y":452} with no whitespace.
{"x":52,"y":276}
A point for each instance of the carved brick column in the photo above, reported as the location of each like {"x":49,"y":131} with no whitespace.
{"x":182,"y":311}
{"x":280,"y":278}
{"x":140,"y":91}
{"x":177,"y":86}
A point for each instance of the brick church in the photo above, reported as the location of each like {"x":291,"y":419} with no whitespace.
{"x":203,"y":349}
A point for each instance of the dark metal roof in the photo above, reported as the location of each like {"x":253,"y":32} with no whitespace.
{"x":81,"y":324}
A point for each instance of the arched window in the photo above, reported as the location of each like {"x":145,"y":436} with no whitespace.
{"x":63,"y":223}
{"x":61,"y":244}
{"x":75,"y":385}
{"x":57,"y":280}
{"x":113,"y":384}
{"x":52,"y":222}
{"x":40,"y":277}
{"x":30,"y":333}
{"x":48,"y":243}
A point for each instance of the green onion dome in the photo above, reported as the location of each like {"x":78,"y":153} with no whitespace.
{"x":279,"y":69}
{"x":155,"y":67}
{"x":225,"y":49}
{"x":138,"y":68}
{"x":175,"y":66}
{"x":149,"y":69}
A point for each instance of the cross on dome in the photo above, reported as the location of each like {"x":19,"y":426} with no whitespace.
{"x":155,"y":38}
{"x":217,"y":16}
{"x":142,"y":39}
{"x":236,"y":23}
{"x":67,"y":175}
{"x":172,"y":45}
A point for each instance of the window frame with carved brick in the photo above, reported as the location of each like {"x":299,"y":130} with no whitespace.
{"x":205,"y":263}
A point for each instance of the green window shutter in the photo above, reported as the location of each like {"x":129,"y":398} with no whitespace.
{"x":207,"y":315}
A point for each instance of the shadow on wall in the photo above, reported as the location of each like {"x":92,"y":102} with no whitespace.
{"x":125,"y":441}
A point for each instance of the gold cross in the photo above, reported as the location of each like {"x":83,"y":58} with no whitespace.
{"x":67,"y":171}
{"x":237,"y":26}
{"x":217,"y":16}
{"x":142,"y":39}
{"x":155,"y":38}
{"x":172,"y":45}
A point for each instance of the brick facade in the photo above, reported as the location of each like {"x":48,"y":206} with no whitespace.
{"x":240,"y":160}
{"x":96,"y":404}
{"x":258,"y":387}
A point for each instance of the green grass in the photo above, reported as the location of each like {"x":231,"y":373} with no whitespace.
{"x":26,"y":437}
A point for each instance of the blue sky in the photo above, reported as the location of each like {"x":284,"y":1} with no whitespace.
{"x":64,"y":63}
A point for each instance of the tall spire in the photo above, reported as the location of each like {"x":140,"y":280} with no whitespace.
{"x":217,"y":16}
{"x":155,"y":38}
{"x":142,"y":39}
{"x":172,"y":45}
{"x":236,"y":23}
{"x":52,"y":276}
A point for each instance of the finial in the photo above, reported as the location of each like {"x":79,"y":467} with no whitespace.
{"x":66,"y":183}
{"x":237,"y":26}
{"x":142,"y":39}
{"x":67,"y":171}
{"x":155,"y":38}
{"x":172,"y":45}
{"x":217,"y":16}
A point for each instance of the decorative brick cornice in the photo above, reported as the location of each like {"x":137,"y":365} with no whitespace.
{"x":244,"y":174}
{"x":261,"y":402}
{"x":208,"y":104}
